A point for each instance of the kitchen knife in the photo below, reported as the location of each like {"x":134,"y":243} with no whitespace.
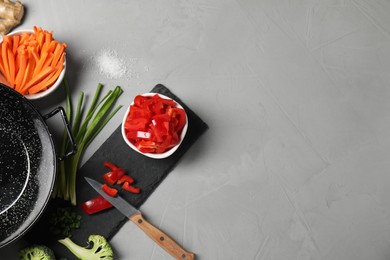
{"x":135,"y":215}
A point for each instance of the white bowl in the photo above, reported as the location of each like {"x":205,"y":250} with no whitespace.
{"x":55,"y":85}
{"x":155,"y":155}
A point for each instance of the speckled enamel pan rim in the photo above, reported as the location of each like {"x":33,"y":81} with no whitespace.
{"x":43,"y":201}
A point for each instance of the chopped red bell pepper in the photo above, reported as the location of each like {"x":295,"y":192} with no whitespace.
{"x":179,"y":118}
{"x":127,"y":187}
{"x":125,"y":178}
{"x":109,"y":190}
{"x":154,"y":124}
{"x":114,"y":176}
{"x":111,"y":166}
{"x":95,"y":205}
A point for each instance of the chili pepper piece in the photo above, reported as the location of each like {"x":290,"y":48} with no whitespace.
{"x":110,"y":165}
{"x":109,"y":190}
{"x":95,"y":205}
{"x":127,"y":187}
{"x":113,"y":176}
{"x":125,"y":178}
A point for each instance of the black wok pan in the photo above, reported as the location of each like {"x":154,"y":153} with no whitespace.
{"x":28,"y":163}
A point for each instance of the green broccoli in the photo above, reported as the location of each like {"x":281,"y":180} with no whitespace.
{"x":100,"y":249}
{"x":36,"y":252}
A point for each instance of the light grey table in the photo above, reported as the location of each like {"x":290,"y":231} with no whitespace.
{"x":295,"y":164}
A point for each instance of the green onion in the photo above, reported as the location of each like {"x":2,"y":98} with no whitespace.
{"x":85,"y":129}
{"x":63,"y":220}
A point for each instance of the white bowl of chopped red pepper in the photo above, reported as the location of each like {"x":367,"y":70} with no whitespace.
{"x":154,"y":125}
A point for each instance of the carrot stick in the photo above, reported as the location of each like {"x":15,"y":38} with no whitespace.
{"x":47,"y":82}
{"x":45,"y":47}
{"x":40,"y":63}
{"x":39,"y":77}
{"x":61,"y":60}
{"x":27,"y":75}
{"x":2,"y":69}
{"x":52,"y":46}
{"x":57,"y":54}
{"x":48,"y":37}
{"x":7,"y":39}
{"x":4,"y":55}
{"x":24,"y":37}
{"x":16,"y":39}
{"x":11,"y":62}
{"x":1,"y":63}
{"x":22,"y":70}
{"x":40,"y":39}
{"x":48,"y":59}
{"x":17,"y":62}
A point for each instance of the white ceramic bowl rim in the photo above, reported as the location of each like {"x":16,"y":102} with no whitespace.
{"x":155,"y":155}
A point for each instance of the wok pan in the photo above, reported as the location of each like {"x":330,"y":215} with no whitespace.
{"x":28,"y":163}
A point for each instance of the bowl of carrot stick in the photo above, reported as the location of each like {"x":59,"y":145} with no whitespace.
{"x":32,"y":62}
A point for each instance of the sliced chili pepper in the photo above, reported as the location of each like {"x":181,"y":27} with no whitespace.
{"x":139,"y":112}
{"x":136,"y":124}
{"x":165,"y":144}
{"x":127,"y":187}
{"x":146,"y":146}
{"x":109,"y":191}
{"x":110,"y":165}
{"x":115,"y":174}
{"x":180,"y":118}
{"x":95,"y":205}
{"x":139,"y":100}
{"x":125,"y":178}
{"x":113,"y":177}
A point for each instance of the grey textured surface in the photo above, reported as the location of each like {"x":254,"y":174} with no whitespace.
{"x":296,"y":95}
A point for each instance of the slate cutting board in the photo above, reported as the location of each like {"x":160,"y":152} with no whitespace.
{"x":148,"y":174}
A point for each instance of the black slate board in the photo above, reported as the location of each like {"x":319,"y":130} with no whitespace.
{"x":148,"y":174}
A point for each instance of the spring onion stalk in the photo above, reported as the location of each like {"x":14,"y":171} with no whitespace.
{"x":60,"y":184}
{"x":85,"y":129}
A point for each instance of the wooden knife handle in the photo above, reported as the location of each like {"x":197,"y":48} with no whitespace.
{"x":167,"y":243}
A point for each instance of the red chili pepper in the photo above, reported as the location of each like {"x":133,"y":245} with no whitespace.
{"x":109,"y":191}
{"x":110,"y":165}
{"x":95,"y":205}
{"x":125,"y":178}
{"x":127,"y":187}
{"x":113,"y":176}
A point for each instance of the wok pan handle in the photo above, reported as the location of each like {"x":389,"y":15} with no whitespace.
{"x":67,"y":128}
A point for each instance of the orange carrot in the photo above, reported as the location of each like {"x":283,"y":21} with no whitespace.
{"x":4,"y":55}
{"x":40,"y":39}
{"x":40,"y":63}
{"x":48,"y":59}
{"x":31,"y":62}
{"x":22,"y":70}
{"x":1,"y":64}
{"x":57,"y":53}
{"x":47,"y":82}
{"x":27,"y":75}
{"x":15,"y":43}
{"x":37,"y":78}
{"x":24,"y":37}
{"x":11,"y":64}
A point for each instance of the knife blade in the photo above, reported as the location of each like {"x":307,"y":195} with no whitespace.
{"x":164,"y":241}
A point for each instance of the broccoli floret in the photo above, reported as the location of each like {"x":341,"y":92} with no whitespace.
{"x":36,"y":252}
{"x":100,"y":248}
